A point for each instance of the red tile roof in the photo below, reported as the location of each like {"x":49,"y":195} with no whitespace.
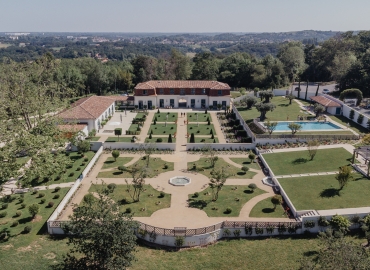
{"x":325,"y":101}
{"x":88,"y":108}
{"x":183,"y":84}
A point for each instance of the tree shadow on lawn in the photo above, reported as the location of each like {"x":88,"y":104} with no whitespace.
{"x":268,"y":210}
{"x":241,"y":173}
{"x":117,"y":173}
{"x":248,"y":191}
{"x":109,"y":162}
{"x":199,"y":204}
{"x":329,"y":193}
{"x":299,"y":161}
{"x":283,"y":105}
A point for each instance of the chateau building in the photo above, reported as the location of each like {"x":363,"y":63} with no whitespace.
{"x":182,"y":94}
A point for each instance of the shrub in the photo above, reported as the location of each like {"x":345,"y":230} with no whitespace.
{"x":237,"y":233}
{"x":56,"y":189}
{"x":27,"y":229}
{"x":112,"y":187}
{"x":50,"y":204}
{"x":128,"y":210}
{"x":258,"y":230}
{"x":309,"y":223}
{"x":3,"y":214}
{"x":122,"y":168}
{"x":78,"y":169}
{"x":228,"y":210}
{"x":86,"y":159}
{"x":43,"y":201}
{"x":245,"y":169}
{"x":56,"y":196}
{"x":14,"y":224}
{"x":179,"y":241}
{"x":71,"y":174}
{"x":41,"y":195}
{"x":360,"y":119}
{"x":23,"y":205}
{"x":248,"y":230}
{"x":33,"y":209}
{"x":4,"y":206}
{"x":35,"y":191}
{"x":83,"y":164}
{"x":162,"y":194}
{"x":57,"y":178}
{"x":252,"y":186}
{"x":323,"y":222}
{"x":89,"y":198}
{"x":196,"y":195}
{"x":18,"y":213}
{"x":192,"y":138}
{"x":282,"y":228}
{"x":159,"y":140}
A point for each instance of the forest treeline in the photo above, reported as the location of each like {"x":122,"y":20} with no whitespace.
{"x":344,"y":58}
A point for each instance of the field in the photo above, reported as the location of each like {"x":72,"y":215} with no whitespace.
{"x":322,"y":192}
{"x":150,"y":200}
{"x":282,"y":112}
{"x":156,"y":166}
{"x":233,"y":172}
{"x":233,"y":197}
{"x":265,"y":209}
{"x":297,"y":162}
{"x":161,"y":129}
{"x":201,"y":129}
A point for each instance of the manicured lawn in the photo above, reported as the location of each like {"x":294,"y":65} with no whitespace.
{"x":235,"y":94}
{"x":71,"y":174}
{"x":353,"y":125}
{"x":203,"y":167}
{"x":121,"y":139}
{"x":280,"y":113}
{"x":204,"y":140}
{"x":93,"y":139}
{"x":233,"y":197}
{"x":161,"y":129}
{"x":154,"y":139}
{"x":161,"y":117}
{"x":43,"y":253}
{"x":110,"y":163}
{"x":156,"y":166}
{"x":201,"y":129}
{"x":25,"y":219}
{"x":150,"y":200}
{"x":265,"y":209}
{"x":133,"y":127}
{"x":140,"y":115}
{"x":246,"y":162}
{"x":202,"y":117}
{"x":296,"y":162}
{"x":321,"y":192}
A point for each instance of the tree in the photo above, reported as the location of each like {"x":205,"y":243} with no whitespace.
{"x":294,"y":127}
{"x":344,"y":176}
{"x":270,"y":126}
{"x":312,"y":147}
{"x":210,"y":154}
{"x":263,"y":108}
{"x":292,"y":56}
{"x":360,"y":118}
{"x":102,"y":236}
{"x":245,"y":169}
{"x":252,"y":186}
{"x":351,"y":114}
{"x":148,"y":149}
{"x":192,"y":139}
{"x":92,"y":133}
{"x":249,"y":101}
{"x":217,"y":181}
{"x":276,"y":200}
{"x":33,"y":209}
{"x":169,"y":138}
{"x":138,"y":175}
{"x":205,"y":67}
{"x":251,"y":156}
{"x":266,"y":94}
{"x":83,"y":147}
{"x":340,"y":223}
{"x":118,"y":132}
{"x":115,"y":155}
{"x":290,"y":97}
{"x":318,"y":109}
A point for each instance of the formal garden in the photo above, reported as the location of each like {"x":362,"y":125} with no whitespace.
{"x":150,"y":199}
{"x":201,"y":129}
{"x":160,"y":139}
{"x":162,"y":129}
{"x":198,"y":117}
{"x":163,"y":117}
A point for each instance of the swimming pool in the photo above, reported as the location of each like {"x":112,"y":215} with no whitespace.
{"x":308,"y":126}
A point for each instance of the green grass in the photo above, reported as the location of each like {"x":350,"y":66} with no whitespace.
{"x":265,"y":209}
{"x":235,"y":94}
{"x":154,"y":139}
{"x":202,"y":117}
{"x":149,"y":199}
{"x":140,"y":115}
{"x":38,"y":225}
{"x":161,"y":117}
{"x":93,"y":139}
{"x":161,"y":129}
{"x":133,"y":127}
{"x":121,"y":139}
{"x":206,"y":140}
{"x":281,"y":112}
{"x":110,"y":163}
{"x":246,"y":162}
{"x":296,"y":162}
{"x":43,"y":253}
{"x":22,"y":160}
{"x":227,"y":197}
{"x":156,"y":166}
{"x":203,"y":167}
{"x":353,"y":125}
{"x":77,"y":161}
{"x":322,"y":192}
{"x":201,"y":129}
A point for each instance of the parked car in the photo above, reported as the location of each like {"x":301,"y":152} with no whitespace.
{"x":325,"y":91}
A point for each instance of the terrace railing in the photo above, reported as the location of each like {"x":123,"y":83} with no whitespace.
{"x":308,"y":137}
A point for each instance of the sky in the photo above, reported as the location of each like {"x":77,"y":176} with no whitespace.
{"x":197,"y":16}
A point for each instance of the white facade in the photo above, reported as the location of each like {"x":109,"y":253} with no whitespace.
{"x":187,"y":101}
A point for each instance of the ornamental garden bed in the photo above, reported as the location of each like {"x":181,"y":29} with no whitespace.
{"x":162,"y":129}
{"x":202,"y":117}
{"x":201,"y":129}
{"x":160,"y":139}
{"x":161,"y":117}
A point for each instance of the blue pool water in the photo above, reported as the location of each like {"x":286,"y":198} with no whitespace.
{"x":308,"y":126}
